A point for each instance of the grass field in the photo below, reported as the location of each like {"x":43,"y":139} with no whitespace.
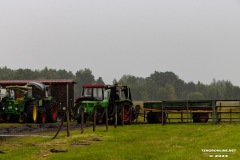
{"x":144,"y":141}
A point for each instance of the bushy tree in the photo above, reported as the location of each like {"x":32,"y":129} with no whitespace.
{"x":158,"y":86}
{"x":195,"y":96}
{"x":83,"y":76}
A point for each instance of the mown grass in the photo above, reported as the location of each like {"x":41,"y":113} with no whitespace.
{"x":145,"y":141}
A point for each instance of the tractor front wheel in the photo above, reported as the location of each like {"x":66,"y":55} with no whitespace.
{"x":22,"y":118}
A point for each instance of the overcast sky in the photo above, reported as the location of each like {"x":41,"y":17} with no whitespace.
{"x":198,"y":40}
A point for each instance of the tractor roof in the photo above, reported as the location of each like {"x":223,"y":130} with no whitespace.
{"x":19,"y":87}
{"x":39,"y":85}
{"x":94,"y":86}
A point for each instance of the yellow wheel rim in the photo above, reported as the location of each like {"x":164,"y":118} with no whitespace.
{"x":34,"y":112}
{"x":20,"y":118}
{"x":8,"y":117}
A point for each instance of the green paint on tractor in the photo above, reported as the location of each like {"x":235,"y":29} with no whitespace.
{"x":100,"y":97}
{"x":19,"y":104}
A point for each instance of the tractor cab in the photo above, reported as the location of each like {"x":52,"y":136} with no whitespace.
{"x":95,"y":92}
{"x":93,"y":96}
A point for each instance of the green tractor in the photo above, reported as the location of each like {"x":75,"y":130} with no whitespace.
{"x":47,"y":108}
{"x":21,"y":104}
{"x":2,"y":94}
{"x":113,"y":97}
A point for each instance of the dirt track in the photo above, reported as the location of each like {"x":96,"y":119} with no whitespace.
{"x":34,"y":128}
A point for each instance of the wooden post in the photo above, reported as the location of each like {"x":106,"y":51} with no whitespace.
{"x":162,"y":114}
{"x":94,"y":118}
{"x":82,"y":120}
{"x":230,"y":115}
{"x":130,"y":116}
{"x":187,"y":112}
{"x":239,"y":110}
{"x":181,"y":116}
{"x":106,"y":113}
{"x":116,"y":118}
{"x":122,"y":109}
{"x":67,"y":113}
{"x":220,"y":114}
{"x":214,"y":112}
{"x":137,"y":116}
{"x":144,"y":116}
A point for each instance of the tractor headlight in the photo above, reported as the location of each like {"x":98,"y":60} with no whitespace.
{"x":3,"y":108}
{"x":16,"y":109}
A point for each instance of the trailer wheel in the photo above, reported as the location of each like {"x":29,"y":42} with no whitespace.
{"x":150,"y":117}
{"x":31,"y":110}
{"x":160,"y":118}
{"x":200,"y":117}
{"x":51,"y":111}
{"x":156,"y":117}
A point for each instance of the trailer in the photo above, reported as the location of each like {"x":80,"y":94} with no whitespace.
{"x":192,"y":111}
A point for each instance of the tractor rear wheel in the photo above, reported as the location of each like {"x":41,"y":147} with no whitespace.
{"x":31,"y":110}
{"x":41,"y":115}
{"x":101,"y":118}
{"x":126,"y":116}
{"x":51,"y":111}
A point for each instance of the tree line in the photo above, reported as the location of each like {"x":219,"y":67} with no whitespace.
{"x":158,"y":86}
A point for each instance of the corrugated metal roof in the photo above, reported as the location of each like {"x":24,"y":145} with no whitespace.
{"x":45,"y":81}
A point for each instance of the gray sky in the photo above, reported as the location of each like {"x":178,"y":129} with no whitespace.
{"x":196,"y":39}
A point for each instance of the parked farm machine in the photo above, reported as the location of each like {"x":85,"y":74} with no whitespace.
{"x":197,"y":111}
{"x":19,"y":104}
{"x":115,"y":98}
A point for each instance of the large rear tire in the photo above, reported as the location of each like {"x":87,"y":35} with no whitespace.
{"x":41,"y":115}
{"x":31,"y":110}
{"x":101,"y":118}
{"x":126,"y":117}
{"x":51,"y":111}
